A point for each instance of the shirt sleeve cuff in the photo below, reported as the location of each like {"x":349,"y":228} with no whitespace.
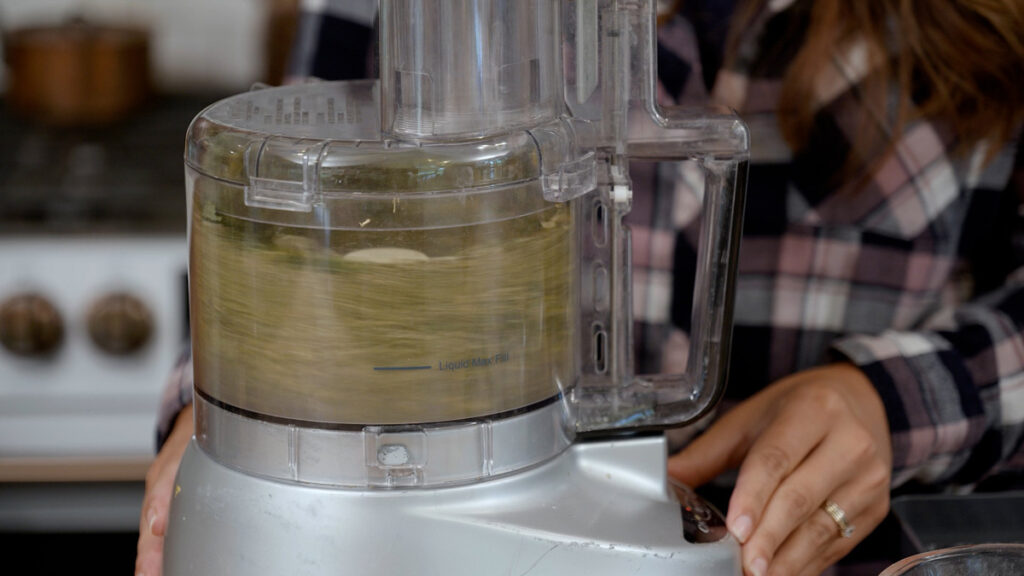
{"x":933,"y":412}
{"x":177,"y":395}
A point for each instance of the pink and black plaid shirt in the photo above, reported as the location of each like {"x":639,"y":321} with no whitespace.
{"x":916,"y":274}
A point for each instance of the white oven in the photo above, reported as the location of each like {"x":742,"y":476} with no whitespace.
{"x":89,"y":329}
{"x":93,"y":312}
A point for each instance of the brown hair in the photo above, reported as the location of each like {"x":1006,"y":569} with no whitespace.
{"x":957,"y":61}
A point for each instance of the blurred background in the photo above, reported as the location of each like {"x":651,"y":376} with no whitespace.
{"x":95,"y":100}
{"x":196,"y":44}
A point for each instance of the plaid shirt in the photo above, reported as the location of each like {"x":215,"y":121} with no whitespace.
{"x":914,"y":273}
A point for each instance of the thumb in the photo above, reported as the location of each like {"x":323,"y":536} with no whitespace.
{"x":721,"y":447}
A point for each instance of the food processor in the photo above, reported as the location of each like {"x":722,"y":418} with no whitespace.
{"x":411,"y":315}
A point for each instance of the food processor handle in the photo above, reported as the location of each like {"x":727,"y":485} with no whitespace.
{"x":612,"y":85}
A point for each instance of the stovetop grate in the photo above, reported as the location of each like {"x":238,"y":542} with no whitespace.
{"x":126,"y":177}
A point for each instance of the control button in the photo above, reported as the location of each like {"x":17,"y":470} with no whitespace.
{"x":119,"y":323}
{"x":702,"y":524}
{"x":30,"y":325}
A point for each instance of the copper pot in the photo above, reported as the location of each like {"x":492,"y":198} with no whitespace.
{"x":77,"y":74}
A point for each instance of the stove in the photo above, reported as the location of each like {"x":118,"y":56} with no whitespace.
{"x":93,"y":292}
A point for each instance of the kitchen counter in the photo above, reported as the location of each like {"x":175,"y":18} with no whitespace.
{"x":70,"y":507}
{"x":66,"y":528}
{"x":64,"y":469}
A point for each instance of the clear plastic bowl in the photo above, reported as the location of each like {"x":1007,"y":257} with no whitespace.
{"x":979,"y":559}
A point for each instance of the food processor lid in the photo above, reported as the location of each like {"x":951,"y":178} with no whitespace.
{"x":302,"y":141}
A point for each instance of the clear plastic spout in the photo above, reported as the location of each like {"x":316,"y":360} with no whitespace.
{"x":469,"y":67}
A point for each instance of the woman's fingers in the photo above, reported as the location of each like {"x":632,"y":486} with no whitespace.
{"x":793,"y":433}
{"x":149,"y":554}
{"x":157,"y":501}
{"x":159,"y":483}
{"x":836,"y":407}
{"x":819,"y":543}
{"x":807,"y":438}
{"x":796,"y":503}
{"x":153,"y":523}
{"x":802,"y":440}
{"x":721,"y":447}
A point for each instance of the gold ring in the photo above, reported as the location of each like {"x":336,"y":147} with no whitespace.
{"x":839,"y":515}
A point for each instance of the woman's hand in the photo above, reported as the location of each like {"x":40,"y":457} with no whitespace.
{"x":157,"y":502}
{"x":818,"y":435}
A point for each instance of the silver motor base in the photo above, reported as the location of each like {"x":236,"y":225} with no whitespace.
{"x":598,"y":508}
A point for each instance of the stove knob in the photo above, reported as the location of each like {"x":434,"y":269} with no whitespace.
{"x":30,"y":325}
{"x":119,"y":323}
